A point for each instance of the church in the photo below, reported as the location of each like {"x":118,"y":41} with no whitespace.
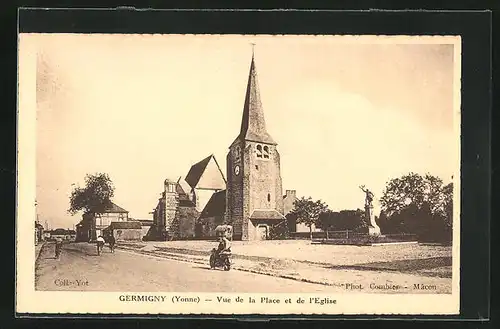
{"x":254,"y":197}
{"x":250,"y":197}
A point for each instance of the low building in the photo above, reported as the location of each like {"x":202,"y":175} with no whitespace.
{"x":124,"y":231}
{"x":38,"y":232}
{"x":46,"y":235}
{"x":92,"y":225}
{"x":71,"y":235}
{"x":145,"y":225}
{"x":63,"y":234}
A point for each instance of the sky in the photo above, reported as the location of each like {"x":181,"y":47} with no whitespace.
{"x":143,"y":108}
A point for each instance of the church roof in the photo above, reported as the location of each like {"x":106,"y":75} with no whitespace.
{"x":216,"y":206}
{"x":113,"y":208}
{"x":253,"y":124}
{"x":266,"y":214}
{"x":183,"y":186}
{"x":197,"y":170}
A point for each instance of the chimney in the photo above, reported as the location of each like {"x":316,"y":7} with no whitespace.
{"x":291,"y":193}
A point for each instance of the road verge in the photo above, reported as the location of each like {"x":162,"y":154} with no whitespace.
{"x":38,"y":250}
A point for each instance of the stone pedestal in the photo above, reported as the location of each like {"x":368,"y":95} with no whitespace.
{"x":373,"y":228}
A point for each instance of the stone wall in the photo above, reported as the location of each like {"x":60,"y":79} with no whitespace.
{"x":127,"y":234}
{"x":234,"y":196}
{"x":186,"y":218}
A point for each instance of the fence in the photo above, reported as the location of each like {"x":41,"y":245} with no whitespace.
{"x":353,"y":235}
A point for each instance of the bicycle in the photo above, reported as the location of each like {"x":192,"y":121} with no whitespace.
{"x":100,"y":246}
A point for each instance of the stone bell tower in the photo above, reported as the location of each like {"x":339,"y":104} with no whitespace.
{"x":171,"y":201}
{"x":254,"y":200}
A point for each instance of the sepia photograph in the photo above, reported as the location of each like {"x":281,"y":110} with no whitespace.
{"x":195,"y":169}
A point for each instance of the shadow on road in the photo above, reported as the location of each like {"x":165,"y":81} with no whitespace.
{"x":410,"y":265}
{"x":203,"y":267}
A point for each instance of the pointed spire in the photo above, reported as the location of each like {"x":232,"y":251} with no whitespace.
{"x":253,"y":124}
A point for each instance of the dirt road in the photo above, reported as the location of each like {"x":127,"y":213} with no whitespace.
{"x":79,"y":268}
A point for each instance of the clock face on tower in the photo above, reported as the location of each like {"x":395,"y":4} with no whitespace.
{"x":237,"y":170}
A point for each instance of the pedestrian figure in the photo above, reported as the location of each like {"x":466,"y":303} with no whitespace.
{"x":59,"y":243}
{"x":100,"y":244}
{"x":112,"y":242}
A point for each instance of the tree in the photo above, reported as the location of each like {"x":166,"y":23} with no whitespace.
{"x":448,"y":204}
{"x":417,"y":204}
{"x":95,"y":197}
{"x":328,"y":220}
{"x":413,"y":189}
{"x":352,"y":220}
{"x":308,"y":211}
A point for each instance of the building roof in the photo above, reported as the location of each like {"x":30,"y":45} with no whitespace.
{"x":144,"y":222}
{"x":197,"y":170}
{"x":216,"y":205}
{"x":113,"y":208}
{"x":61,"y":231}
{"x":266,"y":214}
{"x":184,"y":186}
{"x":253,"y":124}
{"x":125,"y":225}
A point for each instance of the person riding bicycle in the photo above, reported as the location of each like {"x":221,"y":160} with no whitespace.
{"x":112,"y":242}
{"x":224,"y":245}
{"x":59,"y":243}
{"x":100,"y":244}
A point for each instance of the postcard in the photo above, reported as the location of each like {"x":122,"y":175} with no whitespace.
{"x":238,"y":174}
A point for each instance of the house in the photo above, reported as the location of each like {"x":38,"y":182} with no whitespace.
{"x":124,"y":231}
{"x":92,"y":225}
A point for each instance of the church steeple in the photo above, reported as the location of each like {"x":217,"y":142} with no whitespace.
{"x":253,"y":124}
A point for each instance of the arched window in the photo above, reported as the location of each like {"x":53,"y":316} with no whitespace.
{"x":266,"y":152}
{"x":268,"y":197}
{"x":259,"y":151}
{"x":237,"y":153}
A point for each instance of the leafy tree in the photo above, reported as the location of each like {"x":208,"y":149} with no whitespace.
{"x":352,"y":220}
{"x":448,"y":204}
{"x":308,"y":211}
{"x":328,"y":221}
{"x":413,"y":189}
{"x":95,"y":197}
{"x":417,"y":204}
